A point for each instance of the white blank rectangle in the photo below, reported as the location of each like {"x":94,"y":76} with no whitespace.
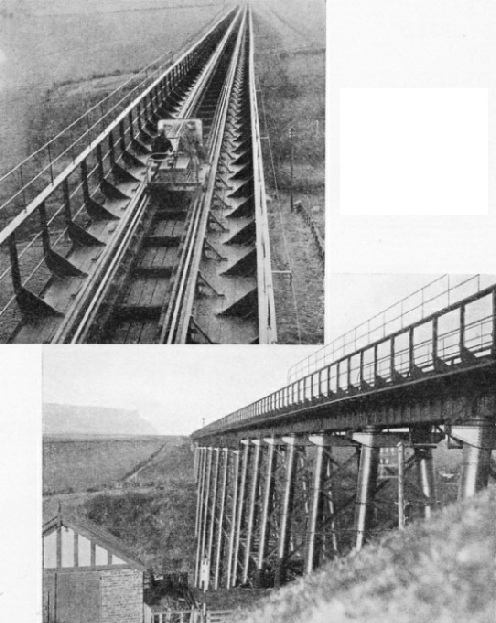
{"x":419,"y":151}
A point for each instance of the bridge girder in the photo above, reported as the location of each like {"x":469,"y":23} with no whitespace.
{"x":277,"y":507}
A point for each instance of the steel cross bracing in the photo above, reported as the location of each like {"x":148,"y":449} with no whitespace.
{"x":289,"y":503}
{"x":262,"y":518}
{"x":340,"y":455}
{"x":145,"y":263}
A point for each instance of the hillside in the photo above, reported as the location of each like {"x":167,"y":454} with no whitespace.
{"x":140,"y":489}
{"x":440,"y":571}
{"x":159,"y":523}
{"x":81,"y":465}
{"x":70,"y":419}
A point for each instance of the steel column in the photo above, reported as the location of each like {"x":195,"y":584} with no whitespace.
{"x":220,"y":522}
{"x":200,"y":484}
{"x":203,"y":533}
{"x":316,"y":511}
{"x":211,"y":529}
{"x":234,"y":504}
{"x":266,"y":508}
{"x":240,"y":513}
{"x":195,"y":461}
{"x":199,"y":515}
{"x":255,"y":473}
{"x":367,"y":482}
{"x":426,"y":474}
{"x":401,"y":485}
{"x":478,"y":436}
{"x":330,"y":501}
{"x":287,"y":504}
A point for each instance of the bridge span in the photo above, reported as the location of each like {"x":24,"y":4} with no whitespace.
{"x":118,"y":237}
{"x":346,"y":449}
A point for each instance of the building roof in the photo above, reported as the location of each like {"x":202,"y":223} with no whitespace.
{"x":96,"y":533}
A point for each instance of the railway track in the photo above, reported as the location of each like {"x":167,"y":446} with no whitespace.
{"x":139,"y":251}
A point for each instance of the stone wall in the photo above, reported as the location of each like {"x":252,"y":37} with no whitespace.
{"x":122,"y":596}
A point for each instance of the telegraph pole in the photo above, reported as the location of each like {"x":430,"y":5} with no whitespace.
{"x":291,"y":177}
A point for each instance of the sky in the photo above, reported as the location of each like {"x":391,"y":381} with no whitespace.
{"x":173,"y":387}
{"x":354,"y":298}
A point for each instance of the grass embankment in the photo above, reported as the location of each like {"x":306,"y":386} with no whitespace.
{"x":292,"y":98}
{"x":155,"y":516}
{"x":158,"y":524}
{"x":81,"y":465}
{"x":441,"y":571}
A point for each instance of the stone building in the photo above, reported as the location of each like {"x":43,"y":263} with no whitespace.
{"x":89,"y":576}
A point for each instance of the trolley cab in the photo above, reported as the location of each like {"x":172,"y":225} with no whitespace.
{"x":178,"y":158}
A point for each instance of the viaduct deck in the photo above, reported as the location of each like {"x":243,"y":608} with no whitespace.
{"x":346,"y":450}
{"x":108,"y":247}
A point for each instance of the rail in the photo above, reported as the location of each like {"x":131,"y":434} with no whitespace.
{"x":461,"y":335}
{"x":439,"y":293}
{"x":266,"y":304}
{"x":177,"y":319}
{"x":66,"y":205}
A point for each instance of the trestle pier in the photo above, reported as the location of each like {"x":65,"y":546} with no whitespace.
{"x":341,"y":454}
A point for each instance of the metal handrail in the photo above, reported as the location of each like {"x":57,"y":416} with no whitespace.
{"x":266,"y":303}
{"x":49,"y":145}
{"x":334,"y":381}
{"x":381,"y":323}
{"x":128,"y":125}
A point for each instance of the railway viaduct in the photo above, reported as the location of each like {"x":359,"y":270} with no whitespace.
{"x":296,"y":477}
{"x":108,"y":243}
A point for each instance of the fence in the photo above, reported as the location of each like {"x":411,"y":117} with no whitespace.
{"x":72,"y":176}
{"x":459,"y":335}
{"x":437,"y":294}
{"x":191,"y":616}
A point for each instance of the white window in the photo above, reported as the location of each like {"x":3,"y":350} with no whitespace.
{"x":67,"y":547}
{"x":50,"y":550}
{"x":84,"y":551}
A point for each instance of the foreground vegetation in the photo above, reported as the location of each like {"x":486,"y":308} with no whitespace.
{"x":441,"y":571}
{"x":437,"y":571}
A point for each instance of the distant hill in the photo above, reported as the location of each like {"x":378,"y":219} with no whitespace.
{"x":77,"y":420}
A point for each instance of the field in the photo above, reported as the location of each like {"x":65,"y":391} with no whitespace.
{"x":84,"y":464}
{"x":290,"y":65}
{"x":46,"y":43}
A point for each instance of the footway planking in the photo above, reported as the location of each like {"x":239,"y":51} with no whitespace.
{"x":135,"y":252}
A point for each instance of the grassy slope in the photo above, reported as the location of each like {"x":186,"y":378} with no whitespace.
{"x":157,"y":520}
{"x":441,"y":571}
{"x":90,"y":463}
{"x":159,"y":524}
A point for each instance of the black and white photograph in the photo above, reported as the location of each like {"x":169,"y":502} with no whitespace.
{"x":215,"y":484}
{"x":162,"y":172}
{"x":248,"y":311}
